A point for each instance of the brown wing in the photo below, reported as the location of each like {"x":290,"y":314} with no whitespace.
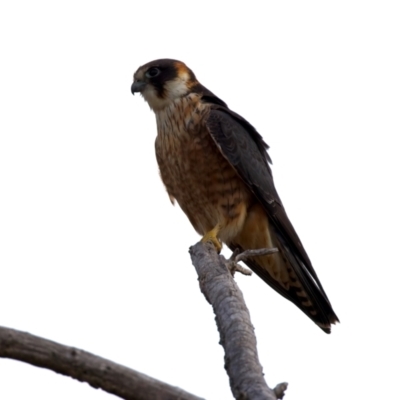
{"x":245,"y":150}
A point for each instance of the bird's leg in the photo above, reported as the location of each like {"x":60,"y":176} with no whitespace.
{"x":211,"y":236}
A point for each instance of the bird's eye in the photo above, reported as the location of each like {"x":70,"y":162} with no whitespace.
{"x":153,"y":72}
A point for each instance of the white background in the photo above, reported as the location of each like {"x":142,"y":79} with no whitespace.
{"x":93,"y":255}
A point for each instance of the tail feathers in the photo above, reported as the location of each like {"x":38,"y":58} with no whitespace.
{"x":310,"y":296}
{"x":302,"y":289}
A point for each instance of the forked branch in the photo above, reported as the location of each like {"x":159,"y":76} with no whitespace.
{"x":234,"y":325}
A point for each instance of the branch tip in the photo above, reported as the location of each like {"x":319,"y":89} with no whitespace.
{"x":280,"y":389}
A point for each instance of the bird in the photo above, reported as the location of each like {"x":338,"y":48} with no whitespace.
{"x":216,"y":166}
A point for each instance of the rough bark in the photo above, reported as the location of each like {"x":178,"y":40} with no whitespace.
{"x":233,"y":321}
{"x":86,"y":367}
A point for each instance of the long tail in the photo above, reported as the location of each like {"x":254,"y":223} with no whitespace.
{"x":285,"y":271}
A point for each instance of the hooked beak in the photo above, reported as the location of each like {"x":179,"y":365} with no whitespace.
{"x":137,"y":86}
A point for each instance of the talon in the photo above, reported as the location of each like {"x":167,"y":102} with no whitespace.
{"x":211,"y":236}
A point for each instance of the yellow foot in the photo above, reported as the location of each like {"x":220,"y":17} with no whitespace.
{"x":212,"y":237}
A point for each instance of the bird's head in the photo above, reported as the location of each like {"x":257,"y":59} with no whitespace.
{"x":161,"y":82}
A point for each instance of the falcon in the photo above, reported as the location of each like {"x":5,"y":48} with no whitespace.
{"x":215,"y":165}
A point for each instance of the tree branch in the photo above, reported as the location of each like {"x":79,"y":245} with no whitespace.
{"x":233,"y":322}
{"x":86,"y":367}
{"x":234,"y":325}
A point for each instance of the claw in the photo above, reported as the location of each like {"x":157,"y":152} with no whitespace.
{"x":211,"y":236}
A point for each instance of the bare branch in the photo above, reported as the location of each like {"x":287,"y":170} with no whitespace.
{"x":234,"y":325}
{"x":86,"y":367}
{"x":233,"y":267}
{"x":233,"y":321}
{"x":280,"y":390}
{"x":237,"y":256}
{"x":255,"y":253}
